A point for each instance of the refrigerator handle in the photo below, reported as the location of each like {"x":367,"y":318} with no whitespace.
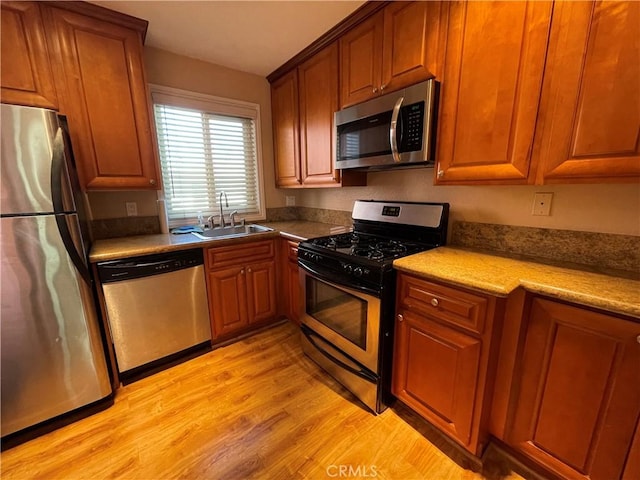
{"x":58,"y":175}
{"x":70,"y":247}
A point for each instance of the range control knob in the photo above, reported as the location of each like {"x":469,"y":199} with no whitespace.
{"x":358,"y":271}
{"x":348,"y":268}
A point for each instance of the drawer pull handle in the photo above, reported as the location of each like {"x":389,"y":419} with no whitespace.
{"x":400,"y":318}
{"x":435,"y":302}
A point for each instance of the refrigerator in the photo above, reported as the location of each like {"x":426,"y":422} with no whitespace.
{"x":53,"y":365}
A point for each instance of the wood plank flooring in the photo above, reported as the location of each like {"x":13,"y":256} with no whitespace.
{"x":255,"y":409}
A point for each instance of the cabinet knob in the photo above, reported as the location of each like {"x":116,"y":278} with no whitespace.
{"x":440,"y":173}
{"x":435,"y":302}
{"x":152,"y":181}
{"x":242,"y":272}
{"x":383,"y":86}
{"x":375,"y":90}
{"x":638,"y":338}
{"x":248,"y":270}
{"x":400,"y":318}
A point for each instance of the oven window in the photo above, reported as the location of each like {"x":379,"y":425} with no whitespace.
{"x":338,"y":310}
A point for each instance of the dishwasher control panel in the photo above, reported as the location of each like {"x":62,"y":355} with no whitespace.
{"x":147,"y":265}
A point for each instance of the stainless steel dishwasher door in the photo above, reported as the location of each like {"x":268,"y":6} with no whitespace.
{"x":158,"y":315}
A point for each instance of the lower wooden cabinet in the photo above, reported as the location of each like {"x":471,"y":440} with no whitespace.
{"x":444,"y":356}
{"x":291,"y":281}
{"x":241,"y":282}
{"x":578,"y":401}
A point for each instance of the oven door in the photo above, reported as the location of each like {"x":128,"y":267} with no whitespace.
{"x":348,"y":318}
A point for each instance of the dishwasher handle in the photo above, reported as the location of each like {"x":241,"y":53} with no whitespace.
{"x":145,"y":266}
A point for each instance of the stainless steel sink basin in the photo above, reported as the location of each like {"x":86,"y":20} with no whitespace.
{"x":230,"y":232}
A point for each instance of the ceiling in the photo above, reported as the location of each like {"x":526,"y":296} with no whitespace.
{"x":251,"y":36}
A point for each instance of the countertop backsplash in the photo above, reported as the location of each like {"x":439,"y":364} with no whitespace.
{"x":609,"y":253}
{"x":601,"y":251}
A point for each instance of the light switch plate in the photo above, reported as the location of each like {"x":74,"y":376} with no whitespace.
{"x":542,"y":204}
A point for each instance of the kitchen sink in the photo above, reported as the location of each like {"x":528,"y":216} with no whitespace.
{"x":232,"y":231}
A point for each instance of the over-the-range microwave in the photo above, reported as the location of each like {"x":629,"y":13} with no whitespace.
{"x":396,"y":129}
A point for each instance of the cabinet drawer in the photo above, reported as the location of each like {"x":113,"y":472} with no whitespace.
{"x":292,"y":251}
{"x":218,"y":257}
{"x":451,"y":305}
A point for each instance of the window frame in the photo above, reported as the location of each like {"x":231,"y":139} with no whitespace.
{"x":217,"y":105}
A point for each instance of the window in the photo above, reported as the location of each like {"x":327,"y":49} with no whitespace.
{"x":208,"y":145}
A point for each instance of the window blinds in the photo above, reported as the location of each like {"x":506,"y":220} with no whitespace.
{"x":203,"y":154}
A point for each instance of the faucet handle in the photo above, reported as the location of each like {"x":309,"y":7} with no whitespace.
{"x":232,"y":218}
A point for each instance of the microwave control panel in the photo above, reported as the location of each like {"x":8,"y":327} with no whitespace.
{"x":412,"y":127}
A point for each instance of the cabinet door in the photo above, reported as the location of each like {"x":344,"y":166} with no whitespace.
{"x":284,"y":109}
{"x":491,"y":90}
{"x":318,"y":95}
{"x":579,"y":395}
{"x":413,"y":41}
{"x":26,"y":71}
{"x":435,"y":372}
{"x":591,"y":109}
{"x":105,"y":98}
{"x":228,"y":300}
{"x":261,"y":291}
{"x":361,"y":61}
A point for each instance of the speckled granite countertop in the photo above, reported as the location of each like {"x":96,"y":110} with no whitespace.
{"x":124,"y":247}
{"x":500,"y":276}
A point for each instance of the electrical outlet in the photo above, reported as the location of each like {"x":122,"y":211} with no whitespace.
{"x":132,"y":209}
{"x":542,"y":204}
{"x":290,"y":201}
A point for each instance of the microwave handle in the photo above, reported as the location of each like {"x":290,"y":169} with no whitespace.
{"x":393,"y":138}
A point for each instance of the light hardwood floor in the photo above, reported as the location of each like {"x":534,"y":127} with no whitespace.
{"x":255,"y":409}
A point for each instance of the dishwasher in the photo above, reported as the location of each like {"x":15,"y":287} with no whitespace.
{"x":157,"y":310}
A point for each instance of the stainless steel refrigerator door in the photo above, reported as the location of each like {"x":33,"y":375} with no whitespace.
{"x":32,"y":151}
{"x":52,"y":359}
{"x":155,"y":316}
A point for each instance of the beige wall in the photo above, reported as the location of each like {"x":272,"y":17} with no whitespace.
{"x":171,"y":70}
{"x":593,"y":208}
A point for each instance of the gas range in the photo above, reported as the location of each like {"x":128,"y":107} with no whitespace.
{"x":348,"y":291}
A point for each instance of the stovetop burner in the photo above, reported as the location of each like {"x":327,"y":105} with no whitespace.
{"x":371,"y":247}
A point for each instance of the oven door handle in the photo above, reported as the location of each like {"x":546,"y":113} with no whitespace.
{"x":359,"y":372}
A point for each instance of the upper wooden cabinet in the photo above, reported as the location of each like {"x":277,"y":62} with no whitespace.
{"x":577,"y":391}
{"x":394,"y":48}
{"x":26,"y":71}
{"x":490,"y":91}
{"x":590,"y":114}
{"x":286,"y":130}
{"x":303,"y":103}
{"x":318,"y":95}
{"x":510,"y":116}
{"x":100,"y":77}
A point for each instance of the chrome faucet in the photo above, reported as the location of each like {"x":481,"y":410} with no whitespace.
{"x":222,"y":224}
